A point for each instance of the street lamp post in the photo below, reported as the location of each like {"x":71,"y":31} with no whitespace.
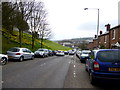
{"x":97,"y":21}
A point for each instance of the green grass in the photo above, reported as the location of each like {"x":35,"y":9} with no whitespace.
{"x":9,"y":41}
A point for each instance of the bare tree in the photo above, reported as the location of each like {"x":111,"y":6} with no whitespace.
{"x":38,"y":22}
{"x":25,"y":9}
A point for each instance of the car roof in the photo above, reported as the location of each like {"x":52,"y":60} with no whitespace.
{"x":42,"y":49}
{"x":19,"y":47}
{"x":104,"y":50}
{"x":96,"y":51}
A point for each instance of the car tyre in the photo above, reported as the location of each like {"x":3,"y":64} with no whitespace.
{"x":43,"y":56}
{"x":81,"y":61}
{"x":21,"y":59}
{"x":4,"y":60}
{"x":92,"y":79}
{"x":32,"y":57}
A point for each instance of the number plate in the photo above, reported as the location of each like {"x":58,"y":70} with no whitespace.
{"x":114,"y":69}
{"x":10,"y":56}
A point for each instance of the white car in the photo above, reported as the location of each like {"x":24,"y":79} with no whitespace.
{"x":71,"y":52}
{"x":60,"y":53}
{"x":84,"y":55}
{"x":78,"y":53}
{"x":41,"y":52}
{"x":3,"y":59}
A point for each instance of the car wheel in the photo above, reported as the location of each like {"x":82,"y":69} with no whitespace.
{"x":81,"y":61}
{"x":3,"y":60}
{"x":32,"y":57}
{"x":92,"y":80}
{"x":21,"y":59}
{"x":43,"y":56}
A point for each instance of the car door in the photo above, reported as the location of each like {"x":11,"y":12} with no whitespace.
{"x":24,"y":53}
{"x":29,"y":55}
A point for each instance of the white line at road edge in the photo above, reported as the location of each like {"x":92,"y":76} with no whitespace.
{"x":43,"y":64}
{"x":74,"y":66}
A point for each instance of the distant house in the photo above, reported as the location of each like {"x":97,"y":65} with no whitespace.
{"x":95,"y":43}
{"x":110,"y":39}
{"x":114,"y":34}
{"x":103,"y":40}
{"x":90,"y":45}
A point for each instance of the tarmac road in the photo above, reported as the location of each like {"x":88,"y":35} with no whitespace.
{"x":51,"y":72}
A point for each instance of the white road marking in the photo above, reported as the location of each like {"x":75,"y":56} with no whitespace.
{"x":2,"y":82}
{"x":43,"y":64}
{"x":71,"y":56}
{"x":74,"y":75}
{"x":69,"y":62}
{"x":74,"y":66}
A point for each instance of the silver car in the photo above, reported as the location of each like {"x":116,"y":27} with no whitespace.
{"x":41,"y":52}
{"x":20,"y":53}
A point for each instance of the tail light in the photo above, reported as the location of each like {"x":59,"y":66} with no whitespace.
{"x":18,"y":53}
{"x":96,"y":66}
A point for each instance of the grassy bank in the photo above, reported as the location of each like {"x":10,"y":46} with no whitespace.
{"x":9,"y":41}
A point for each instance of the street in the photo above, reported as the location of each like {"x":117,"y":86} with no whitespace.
{"x":51,"y":72}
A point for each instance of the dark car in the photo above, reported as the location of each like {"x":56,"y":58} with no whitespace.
{"x":104,"y":65}
{"x":66,"y":52}
{"x":50,"y":53}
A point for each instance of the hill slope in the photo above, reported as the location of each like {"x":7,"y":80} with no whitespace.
{"x":9,"y":41}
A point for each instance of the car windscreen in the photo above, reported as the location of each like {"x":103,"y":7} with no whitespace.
{"x":60,"y":51}
{"x":14,"y":50}
{"x":109,"y":56}
{"x":85,"y":52}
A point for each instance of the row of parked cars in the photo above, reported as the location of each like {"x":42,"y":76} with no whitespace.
{"x":102,"y":65}
{"x":24,"y":53}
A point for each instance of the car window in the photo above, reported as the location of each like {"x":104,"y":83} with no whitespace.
{"x":14,"y":50}
{"x":85,"y":52}
{"x":28,"y":51}
{"x":24,"y":50}
{"x":109,"y":56}
{"x":92,"y":55}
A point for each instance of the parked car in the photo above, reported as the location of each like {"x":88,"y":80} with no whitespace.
{"x":66,"y":52}
{"x":20,"y":54}
{"x":60,"y":53}
{"x":3,"y":59}
{"x":71,"y":52}
{"x":78,"y":53}
{"x":84,"y":55}
{"x":41,"y":52}
{"x":104,"y":65}
{"x":50,"y":53}
{"x":54,"y":52}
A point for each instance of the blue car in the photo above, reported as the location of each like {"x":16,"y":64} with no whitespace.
{"x":104,"y":65}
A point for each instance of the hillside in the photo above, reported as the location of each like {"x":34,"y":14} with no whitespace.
{"x":9,"y":41}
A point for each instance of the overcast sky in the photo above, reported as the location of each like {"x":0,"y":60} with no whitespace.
{"x":68,"y":19}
